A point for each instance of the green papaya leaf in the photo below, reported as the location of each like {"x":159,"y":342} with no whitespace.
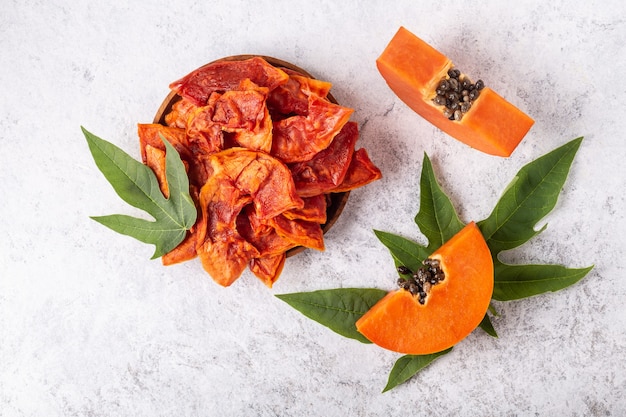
{"x":137,"y":185}
{"x":403,"y":251}
{"x":529,"y":197}
{"x":338,"y":309}
{"x":437,"y":218}
{"x":409,"y":365}
{"x":513,"y":282}
{"x":487,"y":326}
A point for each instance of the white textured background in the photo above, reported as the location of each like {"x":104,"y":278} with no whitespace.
{"x":89,"y":326}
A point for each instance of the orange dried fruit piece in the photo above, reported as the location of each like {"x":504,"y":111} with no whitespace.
{"x":185,"y":251}
{"x":299,"y":232}
{"x":155,"y":159}
{"x":150,"y":134}
{"x":261,"y":234}
{"x":204,"y":135}
{"x":239,"y":177}
{"x":242,"y":114}
{"x":224,"y":253}
{"x":299,"y":138}
{"x":450,"y":311}
{"x":292,"y":98}
{"x":222,"y":76}
{"x":179,"y":114}
{"x":268,"y":268}
{"x":361,"y":172}
{"x":327,"y":169}
{"x":314,"y":210}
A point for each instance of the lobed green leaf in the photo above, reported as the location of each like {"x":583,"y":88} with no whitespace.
{"x":338,"y":309}
{"x":137,"y":185}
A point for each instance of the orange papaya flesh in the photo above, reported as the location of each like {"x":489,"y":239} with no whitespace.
{"x":413,"y":69}
{"x":452,"y":309}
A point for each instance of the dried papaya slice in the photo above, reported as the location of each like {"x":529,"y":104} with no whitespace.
{"x":244,"y":114}
{"x":268,"y":268}
{"x":179,"y":113}
{"x":150,"y":134}
{"x":292,"y":98}
{"x":314,"y":210}
{"x":445,"y":302}
{"x":300,"y":138}
{"x":299,"y":232}
{"x":287,"y":100}
{"x":203,"y":134}
{"x":224,"y":253}
{"x":428,"y":83}
{"x":221,"y":76}
{"x":239,"y":177}
{"x":311,"y":86}
{"x":185,"y":251}
{"x":361,"y":172}
{"x":327,"y":169}
{"x":155,"y":160}
{"x":261,"y":234}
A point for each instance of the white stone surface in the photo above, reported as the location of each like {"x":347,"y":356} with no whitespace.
{"x":89,"y":326}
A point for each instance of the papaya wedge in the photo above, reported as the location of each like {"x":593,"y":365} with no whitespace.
{"x":413,"y":69}
{"x":416,"y":323}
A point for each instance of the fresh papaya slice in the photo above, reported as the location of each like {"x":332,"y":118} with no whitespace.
{"x":447,"y":306}
{"x":414,"y":70}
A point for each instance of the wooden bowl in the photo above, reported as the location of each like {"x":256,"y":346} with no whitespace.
{"x":335,"y":201}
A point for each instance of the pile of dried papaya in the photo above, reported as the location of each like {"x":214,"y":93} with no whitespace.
{"x":264,"y":148}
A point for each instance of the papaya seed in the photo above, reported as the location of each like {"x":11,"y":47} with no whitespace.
{"x":456,"y":94}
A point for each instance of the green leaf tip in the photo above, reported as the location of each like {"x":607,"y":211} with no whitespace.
{"x":513,"y":282}
{"x":487,"y":326}
{"x":409,"y":365}
{"x":138,"y":186}
{"x":338,"y":309}
{"x":531,"y":195}
{"x":437,"y":218}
